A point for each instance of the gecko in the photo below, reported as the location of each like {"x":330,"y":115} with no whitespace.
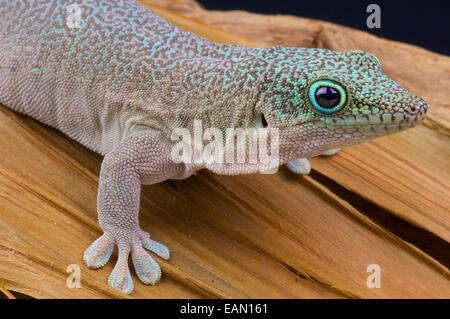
{"x":119,"y":79}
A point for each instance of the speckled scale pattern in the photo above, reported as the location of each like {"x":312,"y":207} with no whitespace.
{"x":126,"y":78}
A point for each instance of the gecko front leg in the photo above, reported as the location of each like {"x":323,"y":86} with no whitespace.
{"x":141,"y":158}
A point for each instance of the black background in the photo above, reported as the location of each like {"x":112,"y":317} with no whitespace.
{"x":423,"y":23}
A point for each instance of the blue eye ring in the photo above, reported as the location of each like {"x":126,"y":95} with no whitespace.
{"x":332,"y":85}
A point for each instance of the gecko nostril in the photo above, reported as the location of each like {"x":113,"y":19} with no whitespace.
{"x":424,"y":108}
{"x":418,"y":109}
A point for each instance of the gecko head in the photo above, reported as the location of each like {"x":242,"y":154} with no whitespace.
{"x":322,"y":99}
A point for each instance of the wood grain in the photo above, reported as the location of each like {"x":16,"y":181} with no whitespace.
{"x":270,"y":236}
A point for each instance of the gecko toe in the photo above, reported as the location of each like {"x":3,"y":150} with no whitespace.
{"x":154,"y":246}
{"x":299,"y":166}
{"x":157,"y":248}
{"x":97,"y":255}
{"x":120,"y":277}
{"x":146,"y":268}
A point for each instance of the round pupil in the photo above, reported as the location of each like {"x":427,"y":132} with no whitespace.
{"x":327,"y":97}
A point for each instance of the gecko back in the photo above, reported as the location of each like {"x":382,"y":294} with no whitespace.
{"x":77,"y":78}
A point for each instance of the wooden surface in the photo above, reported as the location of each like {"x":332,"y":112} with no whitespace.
{"x":385,"y":202}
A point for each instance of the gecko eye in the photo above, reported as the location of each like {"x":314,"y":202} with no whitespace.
{"x":327,"y":97}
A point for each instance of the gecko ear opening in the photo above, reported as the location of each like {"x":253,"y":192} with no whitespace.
{"x":260,"y":120}
{"x":264,"y":121}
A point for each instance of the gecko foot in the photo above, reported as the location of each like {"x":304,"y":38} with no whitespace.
{"x":299,"y":166}
{"x":330,"y":152}
{"x":146,"y":268}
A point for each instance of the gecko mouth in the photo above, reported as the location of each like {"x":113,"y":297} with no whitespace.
{"x":369,"y":129}
{"x":359,"y":126}
{"x":378,"y":123}
{"x":397,"y":118}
